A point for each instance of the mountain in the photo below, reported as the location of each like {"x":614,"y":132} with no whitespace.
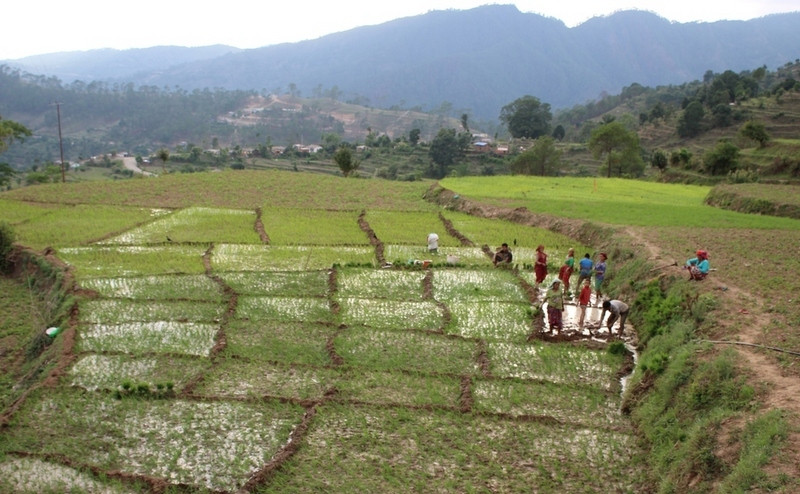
{"x":475,"y":61}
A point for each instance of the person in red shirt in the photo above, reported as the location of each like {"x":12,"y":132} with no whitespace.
{"x":584,"y":300}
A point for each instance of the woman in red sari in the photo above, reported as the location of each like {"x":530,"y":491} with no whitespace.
{"x":540,"y":267}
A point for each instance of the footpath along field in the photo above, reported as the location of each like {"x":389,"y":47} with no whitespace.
{"x":270,"y":332}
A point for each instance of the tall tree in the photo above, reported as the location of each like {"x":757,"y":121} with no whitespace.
{"x":343,"y":158}
{"x":541,"y":159}
{"x":527,"y":117}
{"x":690,"y":123}
{"x":755,"y":131}
{"x":620,"y":147}
{"x":11,"y":131}
{"x":446,"y":148}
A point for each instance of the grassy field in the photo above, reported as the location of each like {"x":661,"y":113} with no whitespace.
{"x":213,"y":361}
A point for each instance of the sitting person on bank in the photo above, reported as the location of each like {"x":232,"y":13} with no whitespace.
{"x":502,"y":256}
{"x":698,"y":266}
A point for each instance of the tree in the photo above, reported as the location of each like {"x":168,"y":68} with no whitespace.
{"x":755,"y":131}
{"x":541,"y":159}
{"x":6,"y":174}
{"x":163,"y":155}
{"x":527,"y":117}
{"x":620,"y":146}
{"x":343,"y":158}
{"x":465,"y":122}
{"x":11,"y":131}
{"x":446,"y":148}
{"x":659,"y":160}
{"x":690,"y":123}
{"x":559,"y":133}
{"x":413,"y":136}
{"x":723,"y":159}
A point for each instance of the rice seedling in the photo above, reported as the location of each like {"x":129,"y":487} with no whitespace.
{"x":230,"y":257}
{"x":390,"y":314}
{"x":213,"y":445}
{"x":491,"y":320}
{"x":108,"y":372}
{"x":232,"y":379}
{"x":409,"y":228}
{"x":561,"y":364}
{"x":406,"y":350}
{"x":470,"y":284}
{"x":410,"y":389}
{"x":114,"y":311}
{"x":170,"y":287}
{"x":391,"y":284}
{"x":35,"y":476}
{"x":288,"y":342}
{"x":149,"y":337}
{"x":286,"y":226}
{"x":196,"y":225}
{"x":275,"y":283}
{"x":284,"y":309}
{"x":404,"y":255}
{"x":114,"y":261}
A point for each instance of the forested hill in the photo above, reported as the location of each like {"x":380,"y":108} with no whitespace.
{"x":481,"y":59}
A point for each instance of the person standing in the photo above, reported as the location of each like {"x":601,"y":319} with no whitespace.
{"x":566,"y":270}
{"x":599,"y":276}
{"x":555,"y":305}
{"x":584,"y":300}
{"x":617,"y":309}
{"x":540,"y":266}
{"x":502,"y":256}
{"x":585,"y":268}
{"x":433,"y":243}
{"x":698,"y":266}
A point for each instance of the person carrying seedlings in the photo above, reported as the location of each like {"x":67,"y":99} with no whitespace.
{"x":502,"y":256}
{"x":698,"y":266}
{"x":585,"y":268}
{"x":433,"y":243}
{"x":599,"y":276}
{"x":584,"y":300}
{"x":540,"y":267}
{"x":566,"y":270}
{"x":616,"y":310}
{"x":555,"y":305}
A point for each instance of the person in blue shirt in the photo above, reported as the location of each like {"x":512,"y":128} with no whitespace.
{"x":585,"y":267}
{"x":698,"y":266}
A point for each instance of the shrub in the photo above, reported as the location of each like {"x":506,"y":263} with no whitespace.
{"x":7,"y":239}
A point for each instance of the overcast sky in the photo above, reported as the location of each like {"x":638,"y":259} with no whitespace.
{"x":49,"y":26}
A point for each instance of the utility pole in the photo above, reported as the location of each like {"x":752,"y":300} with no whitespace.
{"x":60,"y":142}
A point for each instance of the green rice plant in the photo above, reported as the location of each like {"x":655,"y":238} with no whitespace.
{"x":279,"y":341}
{"x":406,"y":350}
{"x":17,"y":212}
{"x":405,"y":255}
{"x":411,"y":389}
{"x":390,"y":314}
{"x":556,"y":363}
{"x":35,"y":476}
{"x":441,"y":451}
{"x":194,"y":224}
{"x":93,"y":372}
{"x":169,"y":287}
{"x":236,"y":379}
{"x":113,"y":311}
{"x":286,"y":226}
{"x":78,"y":225}
{"x":610,"y":200}
{"x":585,"y":405}
{"x":284,"y":309}
{"x":150,"y":337}
{"x":463,"y":284}
{"x":275,"y":283}
{"x":213,"y":445}
{"x":491,"y":320}
{"x":230,"y":257}
{"x":391,"y":284}
{"x":114,"y":261}
{"x":409,"y":228}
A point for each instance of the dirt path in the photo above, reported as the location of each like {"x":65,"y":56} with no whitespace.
{"x":130,"y":164}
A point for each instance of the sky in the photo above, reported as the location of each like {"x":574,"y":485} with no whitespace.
{"x":50,"y":26}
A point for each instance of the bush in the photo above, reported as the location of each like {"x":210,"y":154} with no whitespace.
{"x":7,"y":239}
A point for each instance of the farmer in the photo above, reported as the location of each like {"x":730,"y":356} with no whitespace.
{"x":433,"y":243}
{"x":616,"y":310}
{"x":698,"y":266}
{"x":599,"y":276}
{"x":502,"y":256}
{"x":555,"y":305}
{"x":584,"y":300}
{"x":566,"y":270}
{"x":540,"y":267}
{"x":585,"y":267}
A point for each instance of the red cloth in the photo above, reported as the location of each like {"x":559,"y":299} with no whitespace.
{"x":540,"y":268}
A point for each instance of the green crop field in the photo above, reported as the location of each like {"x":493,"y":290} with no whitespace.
{"x":208,"y":360}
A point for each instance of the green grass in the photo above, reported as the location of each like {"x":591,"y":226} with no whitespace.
{"x":286,"y":226}
{"x":613,"y":201}
{"x":409,"y":228}
{"x":107,"y":261}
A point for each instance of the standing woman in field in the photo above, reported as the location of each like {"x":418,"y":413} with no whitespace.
{"x":555,"y":305}
{"x":540,"y":267}
{"x":566,"y":270}
{"x":599,"y":276}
